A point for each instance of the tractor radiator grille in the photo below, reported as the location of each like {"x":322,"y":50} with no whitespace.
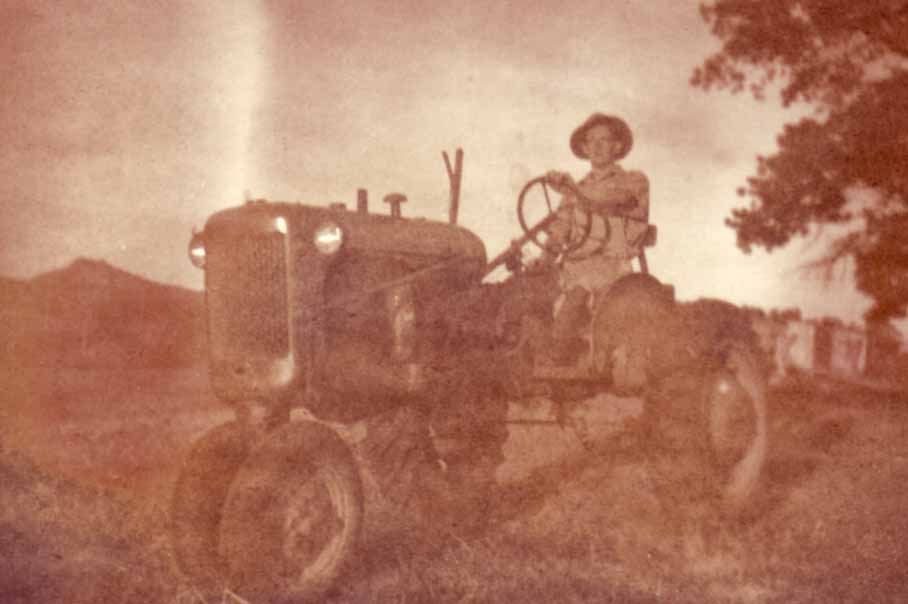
{"x":247,"y":296}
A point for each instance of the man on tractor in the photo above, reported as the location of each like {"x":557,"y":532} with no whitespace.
{"x":615,"y":204}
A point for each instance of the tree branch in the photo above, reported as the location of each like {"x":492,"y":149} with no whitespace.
{"x":840,"y":249}
{"x":890,"y":28}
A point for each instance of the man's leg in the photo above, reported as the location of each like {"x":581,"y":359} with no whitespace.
{"x":570,"y":322}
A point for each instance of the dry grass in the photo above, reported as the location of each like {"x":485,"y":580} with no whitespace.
{"x":64,"y":542}
{"x":830,"y":530}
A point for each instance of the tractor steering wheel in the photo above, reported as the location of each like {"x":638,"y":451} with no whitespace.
{"x":577,"y":234}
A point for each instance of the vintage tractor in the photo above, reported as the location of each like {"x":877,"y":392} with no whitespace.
{"x":322,"y":318}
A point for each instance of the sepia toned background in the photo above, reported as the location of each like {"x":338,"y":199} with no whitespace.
{"x":125,"y":124}
{"x":128,"y":123}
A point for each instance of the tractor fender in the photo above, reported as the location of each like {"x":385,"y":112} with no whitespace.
{"x":635,"y":324}
{"x":640,"y":284}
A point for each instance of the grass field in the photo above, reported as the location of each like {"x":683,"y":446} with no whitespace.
{"x":89,"y":459}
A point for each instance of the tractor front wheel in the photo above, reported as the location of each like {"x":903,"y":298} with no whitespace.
{"x":292,"y":519}
{"x":199,"y":495}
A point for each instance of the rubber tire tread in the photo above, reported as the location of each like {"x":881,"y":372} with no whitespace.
{"x":251,"y":532}
{"x":197,"y":501}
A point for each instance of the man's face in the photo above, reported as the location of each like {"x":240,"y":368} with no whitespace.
{"x":601,"y":145}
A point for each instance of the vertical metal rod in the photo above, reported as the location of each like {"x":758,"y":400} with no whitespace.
{"x":362,"y":201}
{"x":455,"y":175}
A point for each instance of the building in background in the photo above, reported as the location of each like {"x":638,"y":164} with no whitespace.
{"x":828,"y":347}
{"x":849,"y":351}
{"x":884,"y":345}
{"x":795,"y":347}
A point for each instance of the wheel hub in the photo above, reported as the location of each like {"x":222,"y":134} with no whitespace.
{"x":311,"y":524}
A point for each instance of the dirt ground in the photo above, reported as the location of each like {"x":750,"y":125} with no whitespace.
{"x":89,"y":460}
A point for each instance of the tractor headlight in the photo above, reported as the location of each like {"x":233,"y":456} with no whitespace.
{"x":328,"y":238}
{"x":197,"y":250}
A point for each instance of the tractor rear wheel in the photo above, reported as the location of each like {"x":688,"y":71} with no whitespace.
{"x":292,"y":519}
{"x":707,"y":438}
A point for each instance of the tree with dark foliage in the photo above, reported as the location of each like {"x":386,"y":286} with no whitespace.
{"x":848,"y":162}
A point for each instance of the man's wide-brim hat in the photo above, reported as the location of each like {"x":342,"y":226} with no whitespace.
{"x":617,"y":125}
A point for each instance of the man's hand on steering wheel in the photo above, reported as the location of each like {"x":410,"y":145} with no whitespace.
{"x":561,"y":182}
{"x":564,"y":183}
{"x":575,"y":232}
{"x":576,"y":216}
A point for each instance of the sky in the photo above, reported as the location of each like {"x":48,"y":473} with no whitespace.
{"x":126,"y":123}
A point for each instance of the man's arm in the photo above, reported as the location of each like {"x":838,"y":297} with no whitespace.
{"x":627,"y":195}
{"x":562,"y":182}
{"x":638,"y":188}
{"x":559,"y":232}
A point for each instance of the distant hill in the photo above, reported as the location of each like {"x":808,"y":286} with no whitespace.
{"x":91,"y":314}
